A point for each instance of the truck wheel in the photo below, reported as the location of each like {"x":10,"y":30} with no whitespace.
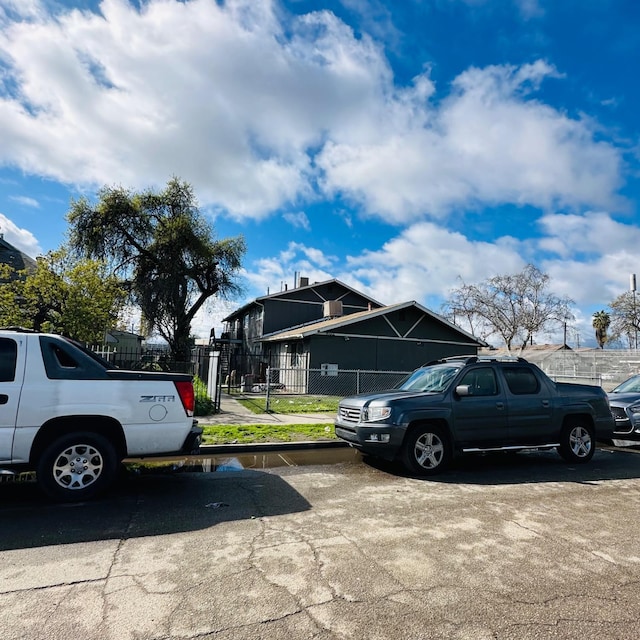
{"x":577,"y":443}
{"x":427,"y":450}
{"x":76,"y":467}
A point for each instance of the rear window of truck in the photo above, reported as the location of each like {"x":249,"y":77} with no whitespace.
{"x":8,"y":359}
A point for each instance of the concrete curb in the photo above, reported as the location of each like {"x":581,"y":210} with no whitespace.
{"x":266,"y":447}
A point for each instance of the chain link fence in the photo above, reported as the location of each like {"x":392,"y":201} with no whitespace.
{"x":328,"y":381}
{"x":606,"y":368}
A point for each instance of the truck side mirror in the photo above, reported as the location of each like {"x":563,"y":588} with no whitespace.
{"x":463,"y":390}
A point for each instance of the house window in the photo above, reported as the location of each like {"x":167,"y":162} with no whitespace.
{"x":327,"y":369}
{"x":296,"y":354}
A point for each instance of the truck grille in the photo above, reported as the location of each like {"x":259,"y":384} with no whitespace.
{"x":349,"y":414}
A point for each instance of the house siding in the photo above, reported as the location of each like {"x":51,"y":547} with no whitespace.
{"x":290,"y":308}
{"x":379,"y":354}
{"x":297,"y":334}
{"x":301,"y":306}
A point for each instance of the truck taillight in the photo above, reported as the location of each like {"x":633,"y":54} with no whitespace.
{"x":188,"y":397}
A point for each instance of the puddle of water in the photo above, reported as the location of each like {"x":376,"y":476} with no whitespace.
{"x":266,"y":460}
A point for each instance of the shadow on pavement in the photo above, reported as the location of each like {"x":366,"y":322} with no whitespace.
{"x":140,"y":505}
{"x":501,"y":468}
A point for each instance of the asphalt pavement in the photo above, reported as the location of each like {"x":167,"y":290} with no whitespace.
{"x":289,"y":546}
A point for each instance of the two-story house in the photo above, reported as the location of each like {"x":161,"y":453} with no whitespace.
{"x":329,"y":326}
{"x":18,"y":261}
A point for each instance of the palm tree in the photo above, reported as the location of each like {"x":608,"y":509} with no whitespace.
{"x":601,"y":322}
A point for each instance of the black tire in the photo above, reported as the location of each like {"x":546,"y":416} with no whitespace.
{"x":577,"y":442}
{"x":77,"y":466}
{"x":426,"y":450}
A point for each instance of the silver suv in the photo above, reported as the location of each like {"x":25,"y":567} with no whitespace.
{"x":625,"y":407}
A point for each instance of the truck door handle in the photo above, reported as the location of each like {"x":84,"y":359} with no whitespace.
{"x":499,"y":405}
{"x":4,"y":398}
{"x":545,"y":403}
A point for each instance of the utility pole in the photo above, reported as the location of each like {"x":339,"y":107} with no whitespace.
{"x":632,"y":286}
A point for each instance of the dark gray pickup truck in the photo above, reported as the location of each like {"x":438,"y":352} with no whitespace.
{"x":475,"y":404}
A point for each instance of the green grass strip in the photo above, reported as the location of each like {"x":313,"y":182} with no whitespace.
{"x":251,"y":433}
{"x":291,"y":404}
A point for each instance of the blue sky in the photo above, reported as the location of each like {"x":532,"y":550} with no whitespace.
{"x":402,"y":147}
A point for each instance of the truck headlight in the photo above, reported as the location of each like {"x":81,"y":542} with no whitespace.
{"x":371,"y":414}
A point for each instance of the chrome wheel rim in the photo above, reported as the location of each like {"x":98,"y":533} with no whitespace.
{"x":78,"y":467}
{"x":580,"y":442}
{"x":429,"y":450}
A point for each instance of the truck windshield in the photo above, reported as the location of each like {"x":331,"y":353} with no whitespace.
{"x":435,"y":379}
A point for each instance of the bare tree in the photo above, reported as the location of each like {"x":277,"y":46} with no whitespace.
{"x":513,"y":306}
{"x":625,"y":319}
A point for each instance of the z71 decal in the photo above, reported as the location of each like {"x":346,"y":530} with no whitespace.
{"x":157,"y":398}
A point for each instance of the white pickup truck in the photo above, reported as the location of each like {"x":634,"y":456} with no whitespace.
{"x":68,"y":415}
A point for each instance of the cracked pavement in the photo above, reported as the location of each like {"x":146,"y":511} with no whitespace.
{"x":499,"y":548}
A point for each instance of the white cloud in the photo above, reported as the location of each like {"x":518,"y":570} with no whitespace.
{"x":591,"y":233}
{"x":134,"y":96}
{"x":425,"y":262}
{"x":21,"y":8}
{"x":270,"y":275}
{"x":26,"y":201}
{"x":299,"y":219}
{"x":422,"y":263}
{"x":591,"y":256}
{"x":530,"y":9}
{"x":487,"y":143}
{"x":19,"y":238}
{"x":211,"y":316}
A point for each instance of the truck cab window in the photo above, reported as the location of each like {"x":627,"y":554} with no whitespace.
{"x":8,"y":357}
{"x":521,"y":381}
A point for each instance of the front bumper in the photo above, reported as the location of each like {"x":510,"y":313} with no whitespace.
{"x":382,"y":440}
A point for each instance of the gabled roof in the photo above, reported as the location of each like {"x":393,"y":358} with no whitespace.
{"x":331,"y":324}
{"x":287,"y":293}
{"x":14,"y":257}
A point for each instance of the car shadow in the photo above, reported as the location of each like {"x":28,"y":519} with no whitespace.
{"x":159,"y":502}
{"x":608,"y":463}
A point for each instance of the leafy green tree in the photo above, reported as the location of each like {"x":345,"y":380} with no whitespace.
{"x":601,"y":323}
{"x":165,"y":251}
{"x":11,"y":283}
{"x":77,"y":298}
{"x":513,"y":306}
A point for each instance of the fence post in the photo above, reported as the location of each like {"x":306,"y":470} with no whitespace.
{"x":213,"y":384}
{"x":358,"y":381}
{"x":267,"y":408}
